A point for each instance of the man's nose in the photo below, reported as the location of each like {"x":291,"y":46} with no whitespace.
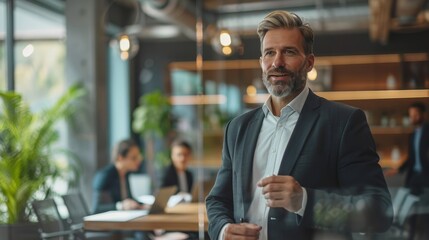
{"x":279,"y":61}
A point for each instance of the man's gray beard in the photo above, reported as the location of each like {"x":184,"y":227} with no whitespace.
{"x":296,"y":84}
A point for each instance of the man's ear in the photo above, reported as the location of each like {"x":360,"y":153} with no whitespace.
{"x":310,"y":62}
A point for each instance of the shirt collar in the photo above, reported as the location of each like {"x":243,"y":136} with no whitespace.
{"x":296,"y":104}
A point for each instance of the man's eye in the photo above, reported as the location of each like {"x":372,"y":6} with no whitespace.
{"x":269,"y":53}
{"x":289,"y":52}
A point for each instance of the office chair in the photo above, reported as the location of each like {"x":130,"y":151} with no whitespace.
{"x":51,"y":225}
{"x":78,"y":209}
{"x":403,"y":225}
{"x":398,"y":201}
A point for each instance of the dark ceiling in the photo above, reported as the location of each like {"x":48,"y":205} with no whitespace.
{"x":152,"y":19}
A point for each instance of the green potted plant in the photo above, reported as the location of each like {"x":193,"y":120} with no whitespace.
{"x":153,"y":121}
{"x":29,"y":160}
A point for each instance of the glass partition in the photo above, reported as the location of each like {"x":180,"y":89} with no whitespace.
{"x":3,"y":81}
{"x":39,"y":52}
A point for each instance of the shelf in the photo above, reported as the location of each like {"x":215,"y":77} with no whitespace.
{"x":354,"y":95}
{"x":377,"y":130}
{"x":320,"y":61}
{"x":356,"y":80}
{"x":206,"y":163}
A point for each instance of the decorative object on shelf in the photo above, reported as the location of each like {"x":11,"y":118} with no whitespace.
{"x":390,"y":82}
{"x":395,"y":154}
{"x":384,"y":121}
{"x":399,"y":16}
{"x":406,"y":11}
{"x":30,"y":162}
{"x":392,"y":121}
{"x":406,"y":120}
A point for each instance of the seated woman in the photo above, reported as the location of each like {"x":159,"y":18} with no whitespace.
{"x":111,"y":187}
{"x":177,"y":173}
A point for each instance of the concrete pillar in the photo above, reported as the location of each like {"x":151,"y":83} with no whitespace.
{"x":86,"y":62}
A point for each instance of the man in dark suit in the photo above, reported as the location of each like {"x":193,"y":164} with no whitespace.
{"x":300,"y":166}
{"x":417,"y":163}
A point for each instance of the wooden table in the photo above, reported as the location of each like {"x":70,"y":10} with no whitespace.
{"x":182,"y":217}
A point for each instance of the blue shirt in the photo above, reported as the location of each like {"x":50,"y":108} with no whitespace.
{"x":417,"y":137}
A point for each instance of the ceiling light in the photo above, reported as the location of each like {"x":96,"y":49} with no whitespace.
{"x":225,"y":38}
{"x":225,"y":42}
{"x":128,"y":46}
{"x":226,"y":51}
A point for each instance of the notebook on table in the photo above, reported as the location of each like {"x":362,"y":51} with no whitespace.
{"x":158,"y":206}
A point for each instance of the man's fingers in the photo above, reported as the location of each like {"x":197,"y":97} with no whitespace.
{"x":288,"y":186}
{"x":274,"y":179}
{"x":243,"y":229}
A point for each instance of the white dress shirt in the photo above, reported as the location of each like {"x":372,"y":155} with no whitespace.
{"x":273,"y":139}
{"x":183,"y":182}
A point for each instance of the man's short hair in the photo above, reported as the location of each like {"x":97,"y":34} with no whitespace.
{"x":419,"y":105}
{"x":284,"y":19}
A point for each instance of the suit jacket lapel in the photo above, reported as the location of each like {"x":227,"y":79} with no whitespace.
{"x":249,"y":146}
{"x":306,"y":120}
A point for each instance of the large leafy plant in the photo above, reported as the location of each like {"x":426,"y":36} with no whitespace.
{"x":152,"y":119}
{"x":152,"y":116}
{"x":29,"y":159}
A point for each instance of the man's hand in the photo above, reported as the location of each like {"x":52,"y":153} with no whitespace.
{"x":242,"y":231}
{"x":282,"y":191}
{"x":130,"y":204}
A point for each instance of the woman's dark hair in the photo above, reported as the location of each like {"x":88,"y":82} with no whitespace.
{"x":122,"y":148}
{"x":181,"y":143}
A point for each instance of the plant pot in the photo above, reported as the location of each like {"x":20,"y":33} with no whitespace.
{"x":21,"y":231}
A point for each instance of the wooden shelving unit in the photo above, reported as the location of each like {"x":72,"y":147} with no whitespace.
{"x":357,"y":80}
{"x":354,"y":95}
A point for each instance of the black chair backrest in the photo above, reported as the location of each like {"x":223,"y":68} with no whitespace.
{"x":398,"y":201}
{"x":76,"y":207}
{"x":408,"y":209}
{"x":50,"y":221}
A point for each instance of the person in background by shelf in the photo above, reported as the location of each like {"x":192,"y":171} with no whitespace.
{"x":300,"y":166}
{"x":177,"y":174}
{"x":417,"y":162}
{"x":111,"y":186}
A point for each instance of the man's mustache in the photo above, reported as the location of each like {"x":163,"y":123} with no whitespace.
{"x":280,"y":70}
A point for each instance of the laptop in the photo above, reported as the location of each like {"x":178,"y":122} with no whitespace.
{"x":161,"y":199}
{"x":158,"y":207}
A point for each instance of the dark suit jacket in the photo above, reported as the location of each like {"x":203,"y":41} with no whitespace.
{"x":408,"y":165}
{"x":107,"y":190}
{"x":331,"y":153}
{"x":172,"y":179}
